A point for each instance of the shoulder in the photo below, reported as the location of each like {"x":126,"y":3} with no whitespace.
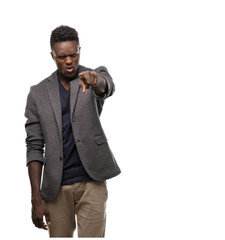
{"x":83,"y":68}
{"x":43,"y":83}
{"x":98,"y":69}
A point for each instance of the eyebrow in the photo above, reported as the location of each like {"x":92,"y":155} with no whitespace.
{"x":69,"y":55}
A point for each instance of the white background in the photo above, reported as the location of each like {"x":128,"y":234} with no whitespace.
{"x":165,"y":123}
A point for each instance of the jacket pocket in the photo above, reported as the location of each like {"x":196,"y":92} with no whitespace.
{"x":100,"y":139}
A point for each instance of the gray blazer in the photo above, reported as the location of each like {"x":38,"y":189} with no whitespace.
{"x":44,"y":131}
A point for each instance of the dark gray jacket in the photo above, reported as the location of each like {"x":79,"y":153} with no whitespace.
{"x":44,"y":131}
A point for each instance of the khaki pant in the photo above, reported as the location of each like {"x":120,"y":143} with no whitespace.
{"x":85,"y":200}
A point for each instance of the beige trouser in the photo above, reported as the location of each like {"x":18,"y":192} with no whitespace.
{"x":88,"y":201}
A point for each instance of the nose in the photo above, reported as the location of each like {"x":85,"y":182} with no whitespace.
{"x":68,"y":60}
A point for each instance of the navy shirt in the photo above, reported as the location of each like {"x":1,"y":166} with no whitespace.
{"x":73,"y":170}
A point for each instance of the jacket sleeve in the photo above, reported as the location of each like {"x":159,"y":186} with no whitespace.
{"x":110,"y":84}
{"x":34,"y":139}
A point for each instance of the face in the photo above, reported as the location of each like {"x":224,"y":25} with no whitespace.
{"x":66,"y":56}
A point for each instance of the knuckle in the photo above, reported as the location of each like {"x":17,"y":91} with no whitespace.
{"x":93,"y":73}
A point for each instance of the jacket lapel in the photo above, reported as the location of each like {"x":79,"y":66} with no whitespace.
{"x":53,"y":90}
{"x":74,"y":90}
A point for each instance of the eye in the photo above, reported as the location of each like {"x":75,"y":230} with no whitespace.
{"x":61,"y":57}
{"x":74,"y":55}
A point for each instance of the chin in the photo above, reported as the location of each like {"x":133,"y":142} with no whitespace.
{"x":69,"y":76}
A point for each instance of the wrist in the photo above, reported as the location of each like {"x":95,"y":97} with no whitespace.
{"x":36,"y":198}
{"x":99,"y":81}
{"x":100,"y":86}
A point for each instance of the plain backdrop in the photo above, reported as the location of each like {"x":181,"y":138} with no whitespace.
{"x":165,"y":123}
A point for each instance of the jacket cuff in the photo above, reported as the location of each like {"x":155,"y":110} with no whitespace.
{"x":34,"y":157}
{"x":105,"y":95}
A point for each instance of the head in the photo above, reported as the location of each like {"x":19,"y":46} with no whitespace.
{"x":65,"y":51}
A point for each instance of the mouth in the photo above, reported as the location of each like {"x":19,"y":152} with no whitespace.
{"x":69,"y":69}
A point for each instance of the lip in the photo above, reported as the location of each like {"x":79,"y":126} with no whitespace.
{"x":69,"y":69}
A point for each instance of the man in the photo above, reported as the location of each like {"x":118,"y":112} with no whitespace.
{"x":65,"y":138}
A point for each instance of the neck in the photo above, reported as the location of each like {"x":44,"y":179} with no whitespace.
{"x":65,"y":81}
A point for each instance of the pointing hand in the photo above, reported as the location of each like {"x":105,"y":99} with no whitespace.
{"x":87,"y":79}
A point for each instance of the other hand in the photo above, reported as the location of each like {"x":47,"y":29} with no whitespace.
{"x":38,"y":211}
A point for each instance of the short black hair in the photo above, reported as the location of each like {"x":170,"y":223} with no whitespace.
{"x":62,"y":34}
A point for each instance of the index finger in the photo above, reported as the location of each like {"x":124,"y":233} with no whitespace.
{"x":82,"y":75}
{"x":84,"y":86}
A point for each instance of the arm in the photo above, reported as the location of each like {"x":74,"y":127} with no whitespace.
{"x":35,"y":145}
{"x":101,"y":86}
{"x":38,"y":207}
{"x":99,"y":80}
{"x":35,"y":170}
{"x":93,"y":80}
{"x":34,"y":139}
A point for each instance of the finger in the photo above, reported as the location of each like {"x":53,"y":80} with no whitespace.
{"x":43,"y":225}
{"x":83,"y":83}
{"x":81,"y":75}
{"x":47,"y":218}
{"x":95,"y":78}
{"x":92,"y":78}
{"x":84,"y":86}
{"x":38,"y":223}
{"x":84,"y":75}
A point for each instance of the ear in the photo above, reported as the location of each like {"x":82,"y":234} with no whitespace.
{"x":52,"y":55}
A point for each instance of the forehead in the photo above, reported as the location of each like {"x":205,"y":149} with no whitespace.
{"x":65,"y":48}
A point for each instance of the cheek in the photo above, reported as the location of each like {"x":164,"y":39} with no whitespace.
{"x":59,"y":65}
{"x":77,"y":60}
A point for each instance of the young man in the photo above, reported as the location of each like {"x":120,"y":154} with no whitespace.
{"x":65,"y":138}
